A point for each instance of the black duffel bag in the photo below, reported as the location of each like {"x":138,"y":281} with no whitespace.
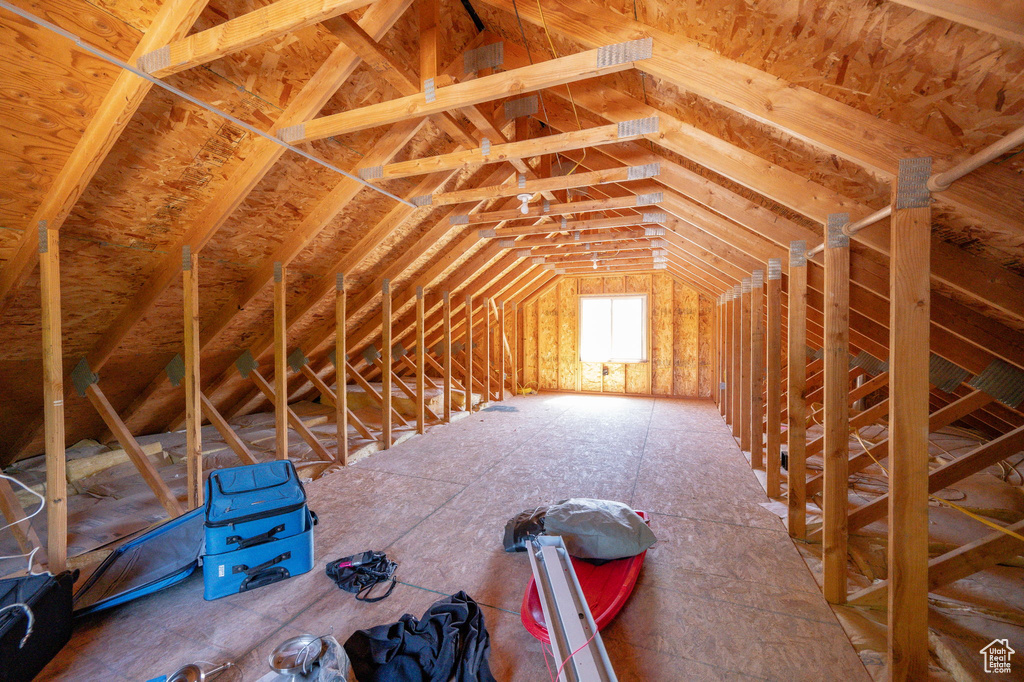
{"x":31,"y":635}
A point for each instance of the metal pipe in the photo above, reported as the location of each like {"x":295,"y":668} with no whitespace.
{"x":940,"y":181}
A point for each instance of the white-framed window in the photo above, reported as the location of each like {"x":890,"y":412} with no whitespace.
{"x":613,"y":328}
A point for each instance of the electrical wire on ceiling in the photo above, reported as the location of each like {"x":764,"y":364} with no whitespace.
{"x":28,"y":16}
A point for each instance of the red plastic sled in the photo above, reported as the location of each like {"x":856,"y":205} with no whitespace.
{"x":606,"y":587}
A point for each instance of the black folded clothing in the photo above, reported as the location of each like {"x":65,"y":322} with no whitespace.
{"x":359,"y":574}
{"x":450,"y":642}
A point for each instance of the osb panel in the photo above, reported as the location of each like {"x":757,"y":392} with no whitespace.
{"x":547,"y":339}
{"x":686,"y":327}
{"x":705,"y":351}
{"x":638,"y":378}
{"x":568,"y":334}
{"x":591,"y":376}
{"x":615,"y":380}
{"x":661,"y":321}
{"x":614,"y":285}
{"x":530,"y":339}
{"x":591,"y":285}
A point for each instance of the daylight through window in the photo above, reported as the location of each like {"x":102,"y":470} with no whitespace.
{"x":613,"y":328}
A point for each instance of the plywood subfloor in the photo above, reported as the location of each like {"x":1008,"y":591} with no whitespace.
{"x":724,"y":595}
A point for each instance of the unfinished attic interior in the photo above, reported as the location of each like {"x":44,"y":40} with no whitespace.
{"x":637,"y":340}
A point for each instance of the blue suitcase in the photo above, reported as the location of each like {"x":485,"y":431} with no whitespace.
{"x":250,"y":505}
{"x":258,"y":529}
{"x":258,"y":565}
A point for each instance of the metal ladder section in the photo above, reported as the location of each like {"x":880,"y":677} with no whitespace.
{"x":570,"y":624}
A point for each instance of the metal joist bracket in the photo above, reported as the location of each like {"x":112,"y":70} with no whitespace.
{"x":483,"y":57}
{"x":422,"y":200}
{"x":429,"y":91}
{"x":458,"y":220}
{"x":83,"y":377}
{"x":524,"y":106}
{"x":246,"y":363}
{"x":647,"y":170}
{"x":370,"y":354}
{"x":835,"y":238}
{"x":175,"y":370}
{"x":297,"y":360}
{"x":621,"y":53}
{"x":798,"y":253}
{"x":44,"y":237}
{"x":371,"y":173}
{"x":912,"y":183}
{"x":637,"y":127}
{"x":650,"y":199}
{"x":654,"y":217}
{"x":774,"y":268}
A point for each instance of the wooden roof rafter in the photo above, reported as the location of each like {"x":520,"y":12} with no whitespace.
{"x":242,"y":32}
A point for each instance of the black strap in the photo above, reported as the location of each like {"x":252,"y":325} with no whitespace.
{"x":364,"y":594}
{"x":255,"y":539}
{"x":242,"y":568}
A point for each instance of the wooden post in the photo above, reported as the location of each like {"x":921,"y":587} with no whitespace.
{"x":515,"y":349}
{"x":447,"y":357}
{"x":716,"y":335}
{"x":421,"y":365}
{"x":727,"y":372}
{"x":501,"y":350}
{"x":774,"y":378}
{"x":280,"y":365}
{"x":386,"y":361}
{"x":746,"y":376}
{"x":909,"y":326}
{"x":469,"y":353}
{"x":429,"y":18}
{"x":836,"y":450}
{"x":734,"y":380}
{"x":757,"y":370}
{"x":486,"y":336}
{"x":340,"y":371}
{"x":192,"y":383}
{"x":53,"y":400}
{"x":796,"y":379}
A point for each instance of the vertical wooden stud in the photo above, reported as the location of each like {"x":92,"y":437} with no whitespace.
{"x":447,"y":358}
{"x":757,"y":370}
{"x":836,"y":451}
{"x":516,"y":345}
{"x":280,"y":365}
{"x":773,"y":423}
{"x":727,"y":377}
{"x":486,"y":336}
{"x":429,"y":18}
{"x":469,"y":353}
{"x":501,"y":351}
{"x":745,"y":374}
{"x":910,"y":302}
{"x":734,"y":380}
{"x":193,"y":403}
{"x":386,"y":362}
{"x":421,"y":365}
{"x":796,"y":381}
{"x":341,"y":369}
{"x":716,"y":334}
{"x":53,"y":400}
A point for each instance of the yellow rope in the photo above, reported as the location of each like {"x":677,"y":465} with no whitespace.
{"x":568,"y":89}
{"x":951,"y":505}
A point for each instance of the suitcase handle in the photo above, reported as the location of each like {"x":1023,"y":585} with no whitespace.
{"x":260,"y":539}
{"x":242,"y":568}
{"x":263,"y":578}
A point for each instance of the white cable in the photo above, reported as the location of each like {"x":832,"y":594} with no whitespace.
{"x":42,"y":503}
{"x":184,"y":95}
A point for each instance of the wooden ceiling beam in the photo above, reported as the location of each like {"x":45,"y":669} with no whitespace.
{"x":105,"y":127}
{"x":998,"y":17}
{"x":496,"y":153}
{"x":586,"y":248}
{"x":635,"y":220}
{"x":240,"y":33}
{"x":990,"y":195}
{"x":571,"y":208}
{"x":570,"y":69}
{"x":624,"y":174}
{"x":586,"y":238}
